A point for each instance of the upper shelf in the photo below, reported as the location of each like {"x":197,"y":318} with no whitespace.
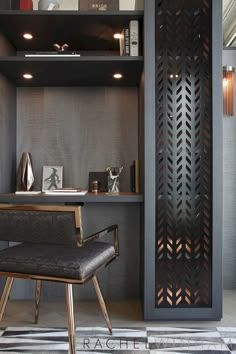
{"x":81,"y":30}
{"x":73,"y":71}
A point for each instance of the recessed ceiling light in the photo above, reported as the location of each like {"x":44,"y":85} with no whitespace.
{"x":27,"y":36}
{"x":27,"y":76}
{"x":117,"y":76}
{"x":117,"y":35}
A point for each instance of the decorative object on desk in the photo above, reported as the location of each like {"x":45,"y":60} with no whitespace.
{"x":25,"y":175}
{"x":95,"y":186}
{"x":99,"y":5}
{"x":52,"y":177}
{"x":101,"y":177}
{"x":48,"y":5}
{"x":114,"y":179}
{"x":26,"y":5}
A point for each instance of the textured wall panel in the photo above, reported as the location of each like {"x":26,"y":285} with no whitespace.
{"x":183,"y":153}
{"x":82,"y":129}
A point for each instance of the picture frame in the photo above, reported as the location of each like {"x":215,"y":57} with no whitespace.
{"x":102,"y":178}
{"x":52,"y":177}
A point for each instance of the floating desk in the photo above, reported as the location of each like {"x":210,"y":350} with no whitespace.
{"x":101,"y":197}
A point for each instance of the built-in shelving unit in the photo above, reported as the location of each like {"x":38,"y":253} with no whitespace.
{"x":88,"y":33}
{"x":82,"y":71}
{"x":74,"y":114}
{"x":82,"y":30}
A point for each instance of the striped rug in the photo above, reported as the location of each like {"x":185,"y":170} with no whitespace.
{"x":36,"y":340}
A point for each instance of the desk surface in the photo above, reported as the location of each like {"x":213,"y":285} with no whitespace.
{"x":122,"y":197}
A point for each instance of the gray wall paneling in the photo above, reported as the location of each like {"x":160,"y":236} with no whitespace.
{"x":229,"y":187}
{"x":83,"y":129}
{"x":150,"y":311}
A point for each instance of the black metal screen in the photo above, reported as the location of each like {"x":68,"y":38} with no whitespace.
{"x":183,"y":153}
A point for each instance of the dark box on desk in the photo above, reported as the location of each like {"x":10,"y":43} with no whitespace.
{"x":101,"y":177}
{"x":99,"y":5}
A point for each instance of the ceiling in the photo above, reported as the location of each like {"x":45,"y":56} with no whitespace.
{"x":229,"y":23}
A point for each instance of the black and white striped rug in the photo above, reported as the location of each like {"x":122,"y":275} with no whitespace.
{"x":123,"y":340}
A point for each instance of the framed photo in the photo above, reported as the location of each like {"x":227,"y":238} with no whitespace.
{"x":52,"y":177}
{"x":101,"y":177}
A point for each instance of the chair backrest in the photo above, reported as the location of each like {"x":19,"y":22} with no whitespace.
{"x":58,"y":224}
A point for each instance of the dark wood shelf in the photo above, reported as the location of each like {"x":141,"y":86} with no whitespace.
{"x":82,"y":30}
{"x":87,"y":198}
{"x":78,"y":71}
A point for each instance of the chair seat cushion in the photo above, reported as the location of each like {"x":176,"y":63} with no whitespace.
{"x":56,"y":260}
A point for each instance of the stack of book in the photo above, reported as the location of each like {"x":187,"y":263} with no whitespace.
{"x":130,"y":39}
{"x":66,"y":191}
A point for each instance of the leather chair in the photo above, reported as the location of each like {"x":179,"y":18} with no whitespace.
{"x":50,"y":246}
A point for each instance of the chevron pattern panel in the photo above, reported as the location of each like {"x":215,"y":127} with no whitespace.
{"x":183,"y":153}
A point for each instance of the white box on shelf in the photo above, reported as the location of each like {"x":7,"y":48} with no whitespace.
{"x":130,"y":5}
{"x":63,"y":5}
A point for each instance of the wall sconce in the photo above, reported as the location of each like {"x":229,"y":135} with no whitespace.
{"x":228,"y":90}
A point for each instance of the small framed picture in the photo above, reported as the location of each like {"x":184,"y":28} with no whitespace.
{"x":52,"y":177}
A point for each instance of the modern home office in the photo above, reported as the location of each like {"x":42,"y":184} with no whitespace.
{"x":117,"y":181}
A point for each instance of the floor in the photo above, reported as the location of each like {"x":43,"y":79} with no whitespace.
{"x":122,"y":314}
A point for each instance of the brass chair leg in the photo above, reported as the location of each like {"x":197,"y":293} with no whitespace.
{"x":102,"y":303}
{"x":70,"y":319}
{"x":38,"y":288}
{"x":5,"y":295}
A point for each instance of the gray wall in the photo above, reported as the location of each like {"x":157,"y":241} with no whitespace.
{"x":229,"y":188}
{"x":83,"y":129}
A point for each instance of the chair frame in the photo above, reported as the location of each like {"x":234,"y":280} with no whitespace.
{"x":68,"y":282}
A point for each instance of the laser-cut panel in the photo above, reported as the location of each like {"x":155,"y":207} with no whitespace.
{"x":183,"y":153}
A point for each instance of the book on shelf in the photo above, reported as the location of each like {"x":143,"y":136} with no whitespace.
{"x":134,"y":37}
{"x":53,"y":54}
{"x":124,"y":42}
{"x":28,"y":192}
{"x":134,"y":176}
{"x":66,"y":191}
{"x":130,"y":5}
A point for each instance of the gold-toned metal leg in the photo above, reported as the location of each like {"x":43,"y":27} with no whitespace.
{"x":70,"y":318}
{"x":5,"y":295}
{"x":102,"y":303}
{"x":38,"y":288}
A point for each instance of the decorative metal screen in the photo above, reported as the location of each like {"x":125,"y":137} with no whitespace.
{"x":183,"y":153}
